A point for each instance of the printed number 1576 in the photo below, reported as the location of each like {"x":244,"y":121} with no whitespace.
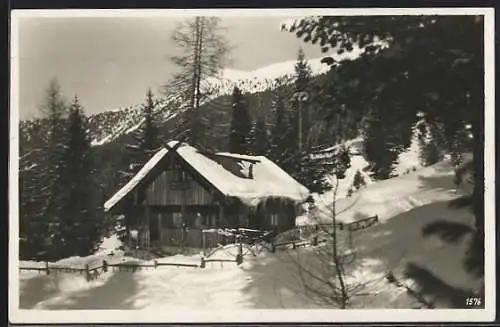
{"x":473,"y":301}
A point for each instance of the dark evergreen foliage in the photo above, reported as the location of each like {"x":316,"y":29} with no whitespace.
{"x":358,"y":181}
{"x":81,"y":227}
{"x":40,"y":192}
{"x":259,"y":137}
{"x":410,"y":64}
{"x":282,"y":149}
{"x":146,"y":140}
{"x":240,"y":124}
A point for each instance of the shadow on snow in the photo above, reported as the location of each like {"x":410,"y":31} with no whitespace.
{"x":116,"y":293}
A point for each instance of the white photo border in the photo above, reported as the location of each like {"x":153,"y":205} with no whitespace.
{"x":17,"y":315}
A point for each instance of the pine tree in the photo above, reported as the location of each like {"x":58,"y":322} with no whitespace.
{"x":282,"y":150}
{"x":240,"y":124}
{"x":33,"y":228}
{"x":205,"y":51}
{"x":259,"y":137}
{"x":430,"y":143}
{"x":303,"y":74}
{"x":307,"y":169}
{"x":381,"y":146}
{"x":146,"y":138}
{"x":358,"y":181}
{"x":80,"y":228}
{"x":445,"y":85}
{"x":146,"y":143}
{"x":44,"y":187}
{"x":313,"y":174}
{"x":429,"y":153}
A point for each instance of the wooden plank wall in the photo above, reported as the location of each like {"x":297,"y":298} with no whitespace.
{"x":166,"y":190}
{"x":194,"y":238}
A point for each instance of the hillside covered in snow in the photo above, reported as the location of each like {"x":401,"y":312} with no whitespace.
{"x":410,"y":241}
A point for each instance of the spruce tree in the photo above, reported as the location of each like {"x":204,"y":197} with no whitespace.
{"x":303,"y":74}
{"x":313,"y":174}
{"x":240,"y":124}
{"x":80,"y":228}
{"x":259,"y":137}
{"x":431,"y":142}
{"x":308,"y":169}
{"x":146,"y":137}
{"x":429,"y":153}
{"x":282,"y":150}
{"x":382,"y":146}
{"x":146,"y":143}
{"x":47,"y":189}
{"x":358,"y":181}
{"x":446,"y":85}
{"x":33,"y":226}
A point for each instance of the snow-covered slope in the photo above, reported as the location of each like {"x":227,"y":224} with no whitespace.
{"x":408,"y":161}
{"x":260,"y":79}
{"x":406,"y":205}
{"x":392,"y":196}
{"x":109,"y":125}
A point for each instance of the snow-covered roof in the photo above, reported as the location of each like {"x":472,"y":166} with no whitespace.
{"x":143,"y":172}
{"x":268,"y":179}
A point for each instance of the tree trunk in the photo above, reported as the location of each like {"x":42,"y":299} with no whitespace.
{"x":193,"y":96}
{"x":338,"y":265}
{"x":199,"y":65}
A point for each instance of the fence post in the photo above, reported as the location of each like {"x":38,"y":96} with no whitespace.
{"x":204,"y":241}
{"x":239,"y":256}
{"x":202,"y":264}
{"x":47,"y":268}
{"x":156,"y":264}
{"x":104,"y":266}
{"x":87,"y":272}
{"x":273,"y":248}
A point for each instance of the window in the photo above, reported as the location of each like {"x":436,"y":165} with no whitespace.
{"x":274,"y":219}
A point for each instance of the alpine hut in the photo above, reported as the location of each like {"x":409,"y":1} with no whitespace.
{"x":181,"y":188}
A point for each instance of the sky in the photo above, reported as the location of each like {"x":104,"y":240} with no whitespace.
{"x":110,"y":62}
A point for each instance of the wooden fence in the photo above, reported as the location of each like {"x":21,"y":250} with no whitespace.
{"x":351,"y":226}
{"x":195,"y":238}
{"x":314,"y":233}
{"x":359,"y":224}
{"x":92,"y":272}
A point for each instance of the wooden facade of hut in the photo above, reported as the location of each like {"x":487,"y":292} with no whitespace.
{"x":182,"y":189}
